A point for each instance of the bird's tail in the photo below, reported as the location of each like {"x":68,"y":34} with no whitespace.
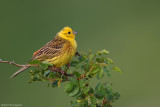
{"x":19,"y":71}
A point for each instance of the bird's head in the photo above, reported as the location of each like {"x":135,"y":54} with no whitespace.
{"x":67,"y":33}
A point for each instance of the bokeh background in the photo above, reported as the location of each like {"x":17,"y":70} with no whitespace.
{"x":129,"y":29}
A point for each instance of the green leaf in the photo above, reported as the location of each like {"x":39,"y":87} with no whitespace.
{"x":74,"y":104}
{"x":116,"y":69}
{"x":105,"y":51}
{"x":117,"y":95}
{"x":78,"y":94}
{"x":84,"y":103}
{"x":98,"y":86}
{"x":91,"y":91}
{"x":93,"y":99}
{"x":44,"y":66}
{"x":89,"y":65}
{"x":82,"y":58}
{"x":107,"y":71}
{"x":91,"y":57}
{"x":47,"y":63}
{"x":73,"y":80}
{"x":109,"y":60}
{"x":34,"y":62}
{"x":100,"y":73}
{"x":68,"y":87}
{"x":100,"y":91}
{"x":110,"y":97}
{"x":86,"y":90}
{"x":74,"y":91}
{"x":74,"y":63}
{"x":99,"y":95}
{"x":82,"y":83}
{"x":77,"y":74}
{"x":94,"y":70}
{"x":93,"y":105}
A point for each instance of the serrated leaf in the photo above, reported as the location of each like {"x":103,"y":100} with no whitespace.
{"x":100,"y":73}
{"x":78,"y":94}
{"x":100,"y":91}
{"x":109,"y":60}
{"x":68,"y":87}
{"x":73,"y":80}
{"x":94,"y":70}
{"x":86,"y":90}
{"x":74,"y":91}
{"x":116,"y":69}
{"x":81,"y":83}
{"x":110,"y":97}
{"x":99,"y":95}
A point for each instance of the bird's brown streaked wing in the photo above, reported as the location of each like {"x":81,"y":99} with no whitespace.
{"x":50,"y":50}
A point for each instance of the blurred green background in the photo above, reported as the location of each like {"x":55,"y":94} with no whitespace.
{"x":129,"y":29}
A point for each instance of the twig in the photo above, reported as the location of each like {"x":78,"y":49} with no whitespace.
{"x":28,"y":65}
{"x":18,"y":65}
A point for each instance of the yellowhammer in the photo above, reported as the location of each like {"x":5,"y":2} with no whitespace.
{"x":58,"y":51}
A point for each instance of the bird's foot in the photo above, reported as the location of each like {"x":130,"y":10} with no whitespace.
{"x":68,"y":65}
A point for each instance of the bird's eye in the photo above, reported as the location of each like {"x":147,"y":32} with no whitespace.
{"x":69,"y":32}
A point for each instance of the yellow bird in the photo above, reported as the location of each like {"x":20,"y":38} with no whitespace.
{"x":58,"y":51}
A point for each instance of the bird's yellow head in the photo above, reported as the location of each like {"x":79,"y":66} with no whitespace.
{"x":67,"y":33}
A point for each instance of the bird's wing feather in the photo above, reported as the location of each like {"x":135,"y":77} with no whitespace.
{"x":50,"y":50}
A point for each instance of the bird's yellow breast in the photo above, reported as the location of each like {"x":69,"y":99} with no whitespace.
{"x":69,"y":51}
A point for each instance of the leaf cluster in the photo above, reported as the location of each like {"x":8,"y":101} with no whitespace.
{"x":83,"y":69}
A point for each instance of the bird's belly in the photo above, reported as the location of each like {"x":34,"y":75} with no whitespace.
{"x":62,"y":59}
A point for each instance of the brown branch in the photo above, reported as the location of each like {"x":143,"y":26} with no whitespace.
{"x":28,"y":65}
{"x":18,"y":65}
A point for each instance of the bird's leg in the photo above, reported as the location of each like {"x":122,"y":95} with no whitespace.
{"x":52,"y":68}
{"x":59,"y":70}
{"x":68,"y":65}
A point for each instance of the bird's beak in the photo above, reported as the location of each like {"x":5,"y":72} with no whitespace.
{"x":74,"y":32}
